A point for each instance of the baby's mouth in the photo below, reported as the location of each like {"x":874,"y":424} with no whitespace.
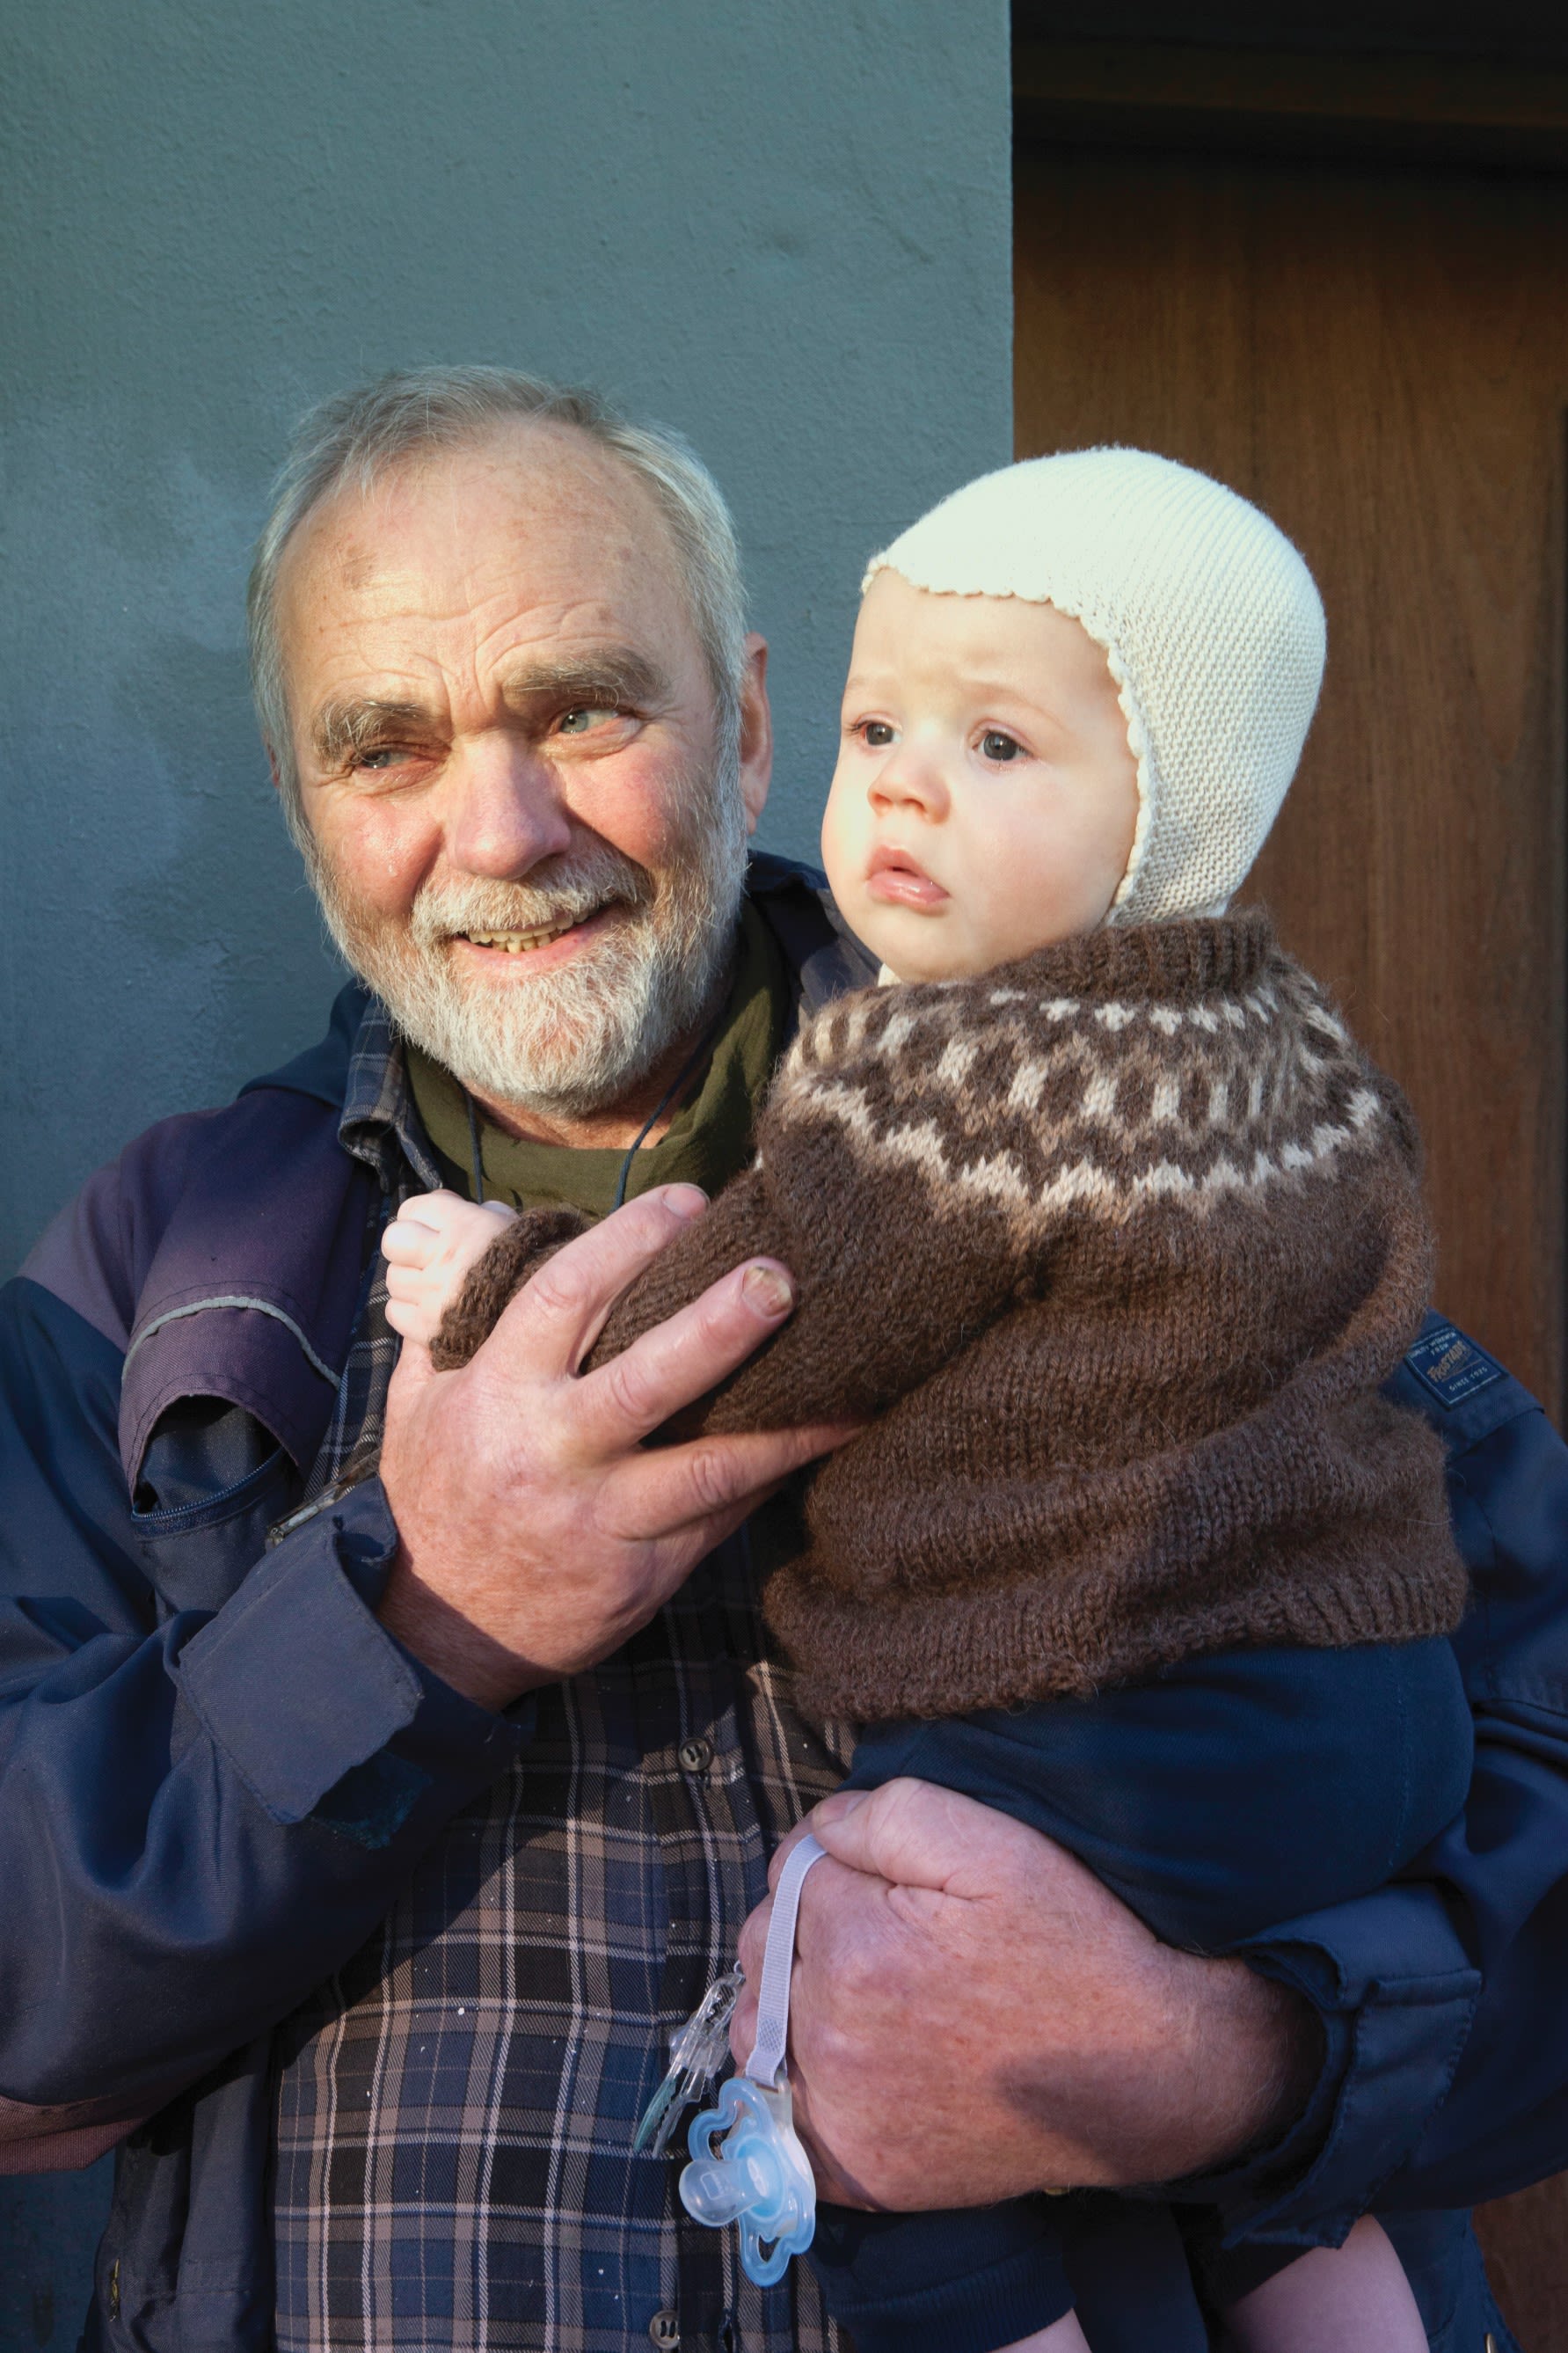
{"x":900,"y":881}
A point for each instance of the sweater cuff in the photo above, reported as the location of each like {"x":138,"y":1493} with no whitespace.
{"x":302,"y":1689}
{"x":1395,"y":1994}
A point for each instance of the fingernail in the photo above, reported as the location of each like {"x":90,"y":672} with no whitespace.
{"x":767,"y":1290}
{"x":685,"y":1200}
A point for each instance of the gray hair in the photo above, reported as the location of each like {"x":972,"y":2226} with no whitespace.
{"x":355,"y":436}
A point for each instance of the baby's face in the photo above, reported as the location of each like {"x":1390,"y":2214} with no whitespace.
{"x":986,"y":796}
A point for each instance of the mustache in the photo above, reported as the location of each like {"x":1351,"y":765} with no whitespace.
{"x":567,"y":891}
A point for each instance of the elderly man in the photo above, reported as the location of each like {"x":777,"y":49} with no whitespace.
{"x":363,"y":1837}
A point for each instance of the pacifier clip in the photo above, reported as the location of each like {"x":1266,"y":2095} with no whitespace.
{"x":747,"y":2162}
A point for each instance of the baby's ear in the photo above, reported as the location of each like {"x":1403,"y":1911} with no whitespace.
{"x":495,"y":1280}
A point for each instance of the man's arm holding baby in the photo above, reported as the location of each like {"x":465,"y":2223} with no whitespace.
{"x":1408,"y":2049}
{"x":1060,"y":2045}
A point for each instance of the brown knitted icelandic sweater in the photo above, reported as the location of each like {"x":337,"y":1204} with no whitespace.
{"x":1118,"y":1243}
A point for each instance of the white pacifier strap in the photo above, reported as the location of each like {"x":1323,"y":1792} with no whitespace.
{"x":767,"y":2056}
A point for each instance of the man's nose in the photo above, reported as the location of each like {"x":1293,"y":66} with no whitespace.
{"x":911,"y":776}
{"x":505,"y":812}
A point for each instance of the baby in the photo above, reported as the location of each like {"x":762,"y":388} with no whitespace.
{"x":1103,"y":1222}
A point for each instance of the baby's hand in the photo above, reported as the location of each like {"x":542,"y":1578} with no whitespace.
{"x":429,"y":1247}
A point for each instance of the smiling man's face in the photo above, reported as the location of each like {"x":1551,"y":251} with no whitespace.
{"x":523,"y":827}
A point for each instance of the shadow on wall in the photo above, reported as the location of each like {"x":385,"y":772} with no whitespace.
{"x":50,"y":2224}
{"x":158,"y":944}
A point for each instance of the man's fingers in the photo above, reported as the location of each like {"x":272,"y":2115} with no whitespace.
{"x":753,"y":1942}
{"x":673,"y":1491}
{"x":682,"y":1359}
{"x":908,"y":1832}
{"x":805,"y":1828}
{"x":559,"y":1312}
{"x":749,"y":1951}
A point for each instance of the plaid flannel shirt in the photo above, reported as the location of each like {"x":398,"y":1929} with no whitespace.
{"x":456,"y":2106}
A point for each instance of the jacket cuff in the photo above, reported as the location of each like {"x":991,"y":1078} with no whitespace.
{"x":1395,"y":1993}
{"x":299,"y":1685}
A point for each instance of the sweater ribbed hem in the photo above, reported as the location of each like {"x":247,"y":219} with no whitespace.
{"x":1097,"y":1614}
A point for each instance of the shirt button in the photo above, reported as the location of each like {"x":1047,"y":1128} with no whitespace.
{"x":664,"y":2328}
{"x":696,"y":1756}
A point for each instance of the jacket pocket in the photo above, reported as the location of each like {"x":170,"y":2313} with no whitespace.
{"x":199,"y":1552}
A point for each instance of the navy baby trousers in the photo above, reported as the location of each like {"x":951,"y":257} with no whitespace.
{"x":1227,"y":1795}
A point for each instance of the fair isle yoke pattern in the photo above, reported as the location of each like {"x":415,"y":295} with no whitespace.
{"x":1112,"y":1250}
{"x":1224,"y":1072}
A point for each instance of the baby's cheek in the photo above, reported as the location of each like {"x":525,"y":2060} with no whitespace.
{"x":843,"y":828}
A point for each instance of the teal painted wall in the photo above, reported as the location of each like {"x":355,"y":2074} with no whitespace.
{"x":785,"y":230}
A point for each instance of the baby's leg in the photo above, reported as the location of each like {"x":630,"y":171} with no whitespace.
{"x":1349,"y":2299}
{"x":429,"y":1248}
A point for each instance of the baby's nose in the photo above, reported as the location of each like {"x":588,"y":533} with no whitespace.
{"x":910,"y":777}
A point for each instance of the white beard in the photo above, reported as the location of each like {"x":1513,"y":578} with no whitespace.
{"x":574,"y":1040}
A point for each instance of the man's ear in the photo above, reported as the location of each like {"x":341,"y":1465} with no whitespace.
{"x":756,"y":732}
{"x":272,"y":763}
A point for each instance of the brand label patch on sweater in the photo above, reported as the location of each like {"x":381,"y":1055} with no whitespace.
{"x":1452,"y":1367}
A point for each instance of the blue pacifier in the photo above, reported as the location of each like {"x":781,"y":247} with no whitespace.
{"x":747,"y":2162}
{"x":760,"y":2178}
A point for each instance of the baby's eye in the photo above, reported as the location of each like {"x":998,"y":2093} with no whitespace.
{"x":874,"y":734}
{"x":995,"y":744}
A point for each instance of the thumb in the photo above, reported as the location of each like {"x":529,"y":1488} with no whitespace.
{"x":908,"y":1832}
{"x":412,"y":1374}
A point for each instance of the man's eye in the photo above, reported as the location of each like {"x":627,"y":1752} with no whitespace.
{"x":585,"y":718}
{"x":383,"y":756}
{"x":997,"y":745}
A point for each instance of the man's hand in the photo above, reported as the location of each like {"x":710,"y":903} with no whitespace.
{"x":537,"y":1534}
{"x":974,"y":2016}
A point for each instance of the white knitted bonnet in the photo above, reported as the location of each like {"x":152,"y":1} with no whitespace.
{"x":1211,"y":621}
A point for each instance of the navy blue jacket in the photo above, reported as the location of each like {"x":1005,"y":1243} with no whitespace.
{"x":216,"y":1767}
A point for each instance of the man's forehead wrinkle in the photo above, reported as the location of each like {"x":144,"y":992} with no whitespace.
{"x":437,"y":589}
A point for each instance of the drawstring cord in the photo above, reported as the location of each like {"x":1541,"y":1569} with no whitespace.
{"x":668,"y":1096}
{"x":476,"y":1150}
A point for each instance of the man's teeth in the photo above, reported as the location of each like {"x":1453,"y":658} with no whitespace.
{"x":521,"y":943}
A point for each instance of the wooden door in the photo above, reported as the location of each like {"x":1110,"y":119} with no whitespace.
{"x":1379,"y":356}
